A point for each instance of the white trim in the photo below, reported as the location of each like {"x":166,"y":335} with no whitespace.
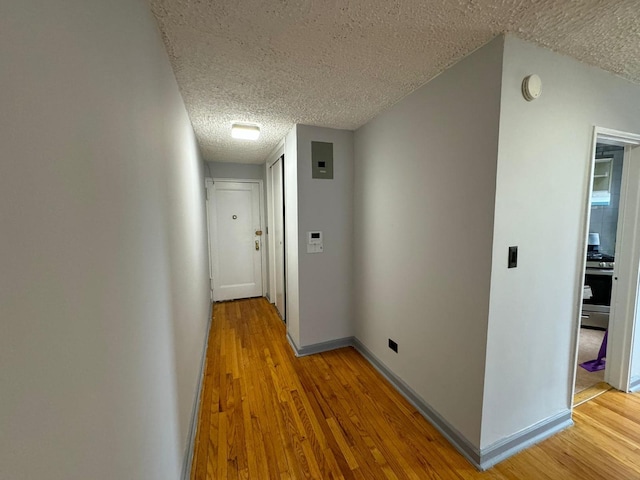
{"x":617,"y":136}
{"x":272,"y":153}
{"x":579,"y":289}
{"x":618,"y":368}
{"x":267,"y":234}
{"x":208,"y":185}
{"x":263,"y":253}
{"x":273,"y":158}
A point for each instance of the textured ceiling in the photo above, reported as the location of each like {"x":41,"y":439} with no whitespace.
{"x":337,"y":63}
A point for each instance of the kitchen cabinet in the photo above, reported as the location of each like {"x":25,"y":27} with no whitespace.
{"x":602,"y":173}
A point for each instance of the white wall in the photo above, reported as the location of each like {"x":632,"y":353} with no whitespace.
{"x":325,"y":279}
{"x":103,"y":263}
{"x":424,"y":199}
{"x":544,"y":155}
{"x":235,"y":170}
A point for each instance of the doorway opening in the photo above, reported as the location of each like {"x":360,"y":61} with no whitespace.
{"x":604,"y":340}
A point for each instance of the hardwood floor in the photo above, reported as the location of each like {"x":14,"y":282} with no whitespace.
{"x":590,"y":393}
{"x":266,"y":414}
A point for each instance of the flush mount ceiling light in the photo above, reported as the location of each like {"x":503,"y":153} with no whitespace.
{"x":245,"y":132}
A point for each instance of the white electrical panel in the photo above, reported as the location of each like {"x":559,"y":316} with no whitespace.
{"x":314,"y":242}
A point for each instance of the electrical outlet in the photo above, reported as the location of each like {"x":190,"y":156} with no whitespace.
{"x":393,"y":345}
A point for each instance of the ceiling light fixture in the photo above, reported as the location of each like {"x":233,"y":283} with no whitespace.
{"x":245,"y":132}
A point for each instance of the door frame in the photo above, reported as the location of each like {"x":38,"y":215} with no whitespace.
{"x":620,"y":341}
{"x":273,"y":158}
{"x":273,"y":280}
{"x":263,"y":259}
{"x":208,"y":188}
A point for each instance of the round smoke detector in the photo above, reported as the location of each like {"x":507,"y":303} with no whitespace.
{"x":531,"y":87}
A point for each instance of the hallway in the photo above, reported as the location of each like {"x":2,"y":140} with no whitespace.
{"x":267,"y":414}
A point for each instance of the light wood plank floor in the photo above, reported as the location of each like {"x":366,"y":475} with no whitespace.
{"x":266,"y":414}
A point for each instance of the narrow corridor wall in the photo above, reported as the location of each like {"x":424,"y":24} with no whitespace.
{"x":424,"y":201}
{"x":103,"y":265}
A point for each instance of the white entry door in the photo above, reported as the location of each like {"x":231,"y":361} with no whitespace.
{"x":277,"y":184}
{"x":236,"y":240}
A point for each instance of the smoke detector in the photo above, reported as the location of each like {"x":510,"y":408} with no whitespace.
{"x":531,"y":87}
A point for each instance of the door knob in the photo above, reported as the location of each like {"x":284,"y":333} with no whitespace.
{"x":258,"y":233}
{"x":257,"y":244}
